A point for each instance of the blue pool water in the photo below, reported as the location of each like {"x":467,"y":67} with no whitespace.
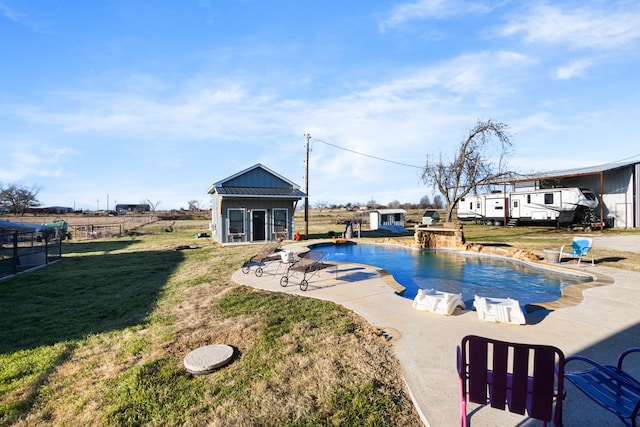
{"x":451,"y":272}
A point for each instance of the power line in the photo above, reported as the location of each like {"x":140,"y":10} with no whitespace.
{"x":368,"y":155}
{"x":414,"y":166}
{"x":625,"y":159}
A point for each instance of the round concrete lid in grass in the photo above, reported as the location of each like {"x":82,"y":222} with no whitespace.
{"x":207,"y":359}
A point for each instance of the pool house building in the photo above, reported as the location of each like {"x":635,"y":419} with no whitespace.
{"x":253,"y":205}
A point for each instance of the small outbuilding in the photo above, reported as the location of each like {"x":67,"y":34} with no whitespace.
{"x":254,"y":205}
{"x":387,"y":219}
{"x":430,"y":217}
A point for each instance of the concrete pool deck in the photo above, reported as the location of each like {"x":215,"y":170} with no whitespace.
{"x":606,"y":322}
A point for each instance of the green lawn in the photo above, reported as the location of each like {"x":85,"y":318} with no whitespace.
{"x":99,"y":338}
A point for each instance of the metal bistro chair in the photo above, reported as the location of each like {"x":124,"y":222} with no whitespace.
{"x":510,"y":376}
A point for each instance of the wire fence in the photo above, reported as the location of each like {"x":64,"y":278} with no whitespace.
{"x":94,"y":229}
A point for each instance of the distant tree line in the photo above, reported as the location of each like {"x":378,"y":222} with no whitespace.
{"x":425,"y":203}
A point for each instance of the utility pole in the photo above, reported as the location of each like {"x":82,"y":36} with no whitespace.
{"x":306,"y":191}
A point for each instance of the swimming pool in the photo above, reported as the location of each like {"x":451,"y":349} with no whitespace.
{"x":452,"y":272}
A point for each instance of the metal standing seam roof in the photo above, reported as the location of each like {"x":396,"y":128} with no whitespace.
{"x":291,"y":190}
{"x":260,"y":192}
{"x":23,"y":226}
{"x":390,"y":211}
{"x":590,"y":170}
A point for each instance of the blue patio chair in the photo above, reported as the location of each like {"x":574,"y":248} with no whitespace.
{"x":520,"y":378}
{"x":580,"y":246}
{"x":609,"y":386}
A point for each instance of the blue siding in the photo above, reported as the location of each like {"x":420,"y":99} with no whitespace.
{"x":257,"y":178}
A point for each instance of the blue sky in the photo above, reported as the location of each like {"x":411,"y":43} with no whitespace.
{"x":132,"y":100}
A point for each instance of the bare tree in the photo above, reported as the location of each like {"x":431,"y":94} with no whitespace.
{"x":438,"y":203}
{"x":480,"y":160}
{"x":152,"y":206}
{"x":425,"y":202}
{"x":322,"y":204}
{"x":18,"y":199}
{"x":194,"y":205}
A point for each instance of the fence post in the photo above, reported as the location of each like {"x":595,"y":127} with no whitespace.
{"x":15,"y":252}
{"x":46,"y":246}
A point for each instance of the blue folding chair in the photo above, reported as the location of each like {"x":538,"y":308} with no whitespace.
{"x":580,"y":246}
{"x":609,"y":386}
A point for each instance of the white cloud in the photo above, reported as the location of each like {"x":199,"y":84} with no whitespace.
{"x":481,"y":74}
{"x":28,"y":159}
{"x":207,"y":112}
{"x":10,"y":13}
{"x":233,"y":111}
{"x":27,"y":20}
{"x":537,"y":122}
{"x":432,"y":9}
{"x":572,"y":70}
{"x":609,"y":27}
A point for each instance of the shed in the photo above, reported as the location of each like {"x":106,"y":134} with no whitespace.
{"x":253,"y":205}
{"x":387,"y":219}
{"x":430,"y":217}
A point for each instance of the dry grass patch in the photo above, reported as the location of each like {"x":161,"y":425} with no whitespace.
{"x":307,"y":373}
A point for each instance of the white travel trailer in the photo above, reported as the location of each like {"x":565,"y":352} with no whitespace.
{"x":557,"y":205}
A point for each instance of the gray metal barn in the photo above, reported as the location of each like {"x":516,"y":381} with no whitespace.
{"x":616,"y":184}
{"x":254,"y":205}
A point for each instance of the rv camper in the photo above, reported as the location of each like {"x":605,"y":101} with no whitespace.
{"x":549,"y":205}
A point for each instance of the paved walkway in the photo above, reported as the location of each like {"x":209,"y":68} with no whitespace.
{"x":626,"y":243}
{"x":606,"y":322}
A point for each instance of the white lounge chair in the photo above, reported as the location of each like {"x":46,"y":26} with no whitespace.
{"x":501,"y":310}
{"x":437,"y":301}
